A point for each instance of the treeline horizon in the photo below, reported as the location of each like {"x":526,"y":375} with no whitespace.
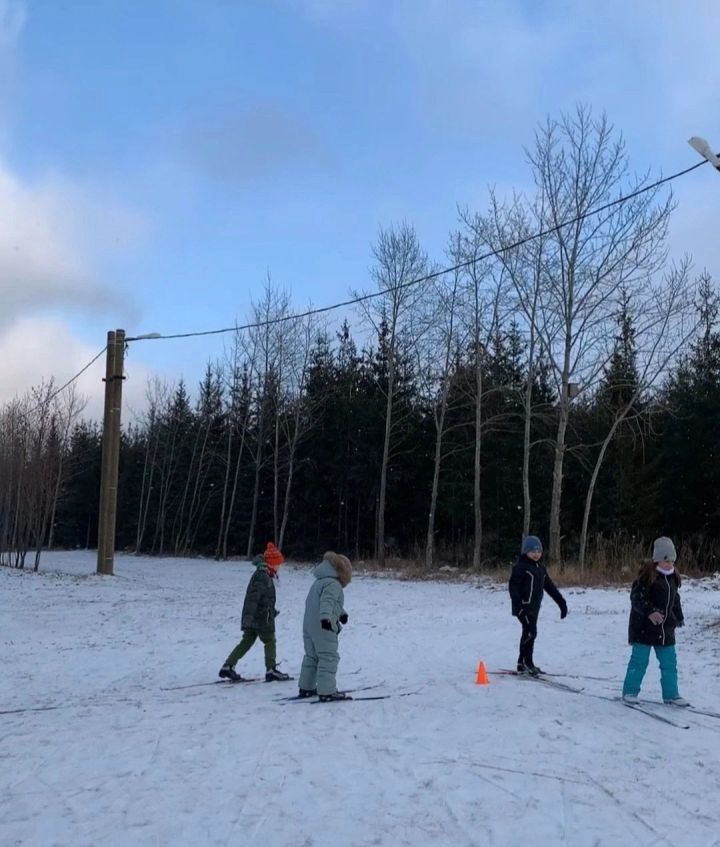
{"x":566,"y":385}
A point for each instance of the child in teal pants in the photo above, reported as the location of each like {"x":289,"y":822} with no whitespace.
{"x":655,"y":614}
{"x":639,"y":659}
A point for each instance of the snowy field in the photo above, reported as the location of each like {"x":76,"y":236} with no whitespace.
{"x":97,"y":750}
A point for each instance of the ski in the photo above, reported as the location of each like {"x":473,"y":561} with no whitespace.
{"x":646,"y":709}
{"x":552,"y":683}
{"x":29,"y":709}
{"x":347,"y":691}
{"x":315,"y":700}
{"x":706,"y":712}
{"x":581,"y":676}
{"x":694,"y":709}
{"x":638,"y":707}
{"x":353,"y":699}
{"x":217,"y":682}
{"x":371,"y":697}
{"x":563,"y":675}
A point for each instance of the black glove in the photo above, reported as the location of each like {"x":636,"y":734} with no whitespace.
{"x":522,"y":616}
{"x":326,"y":624}
{"x":343,"y":618}
{"x":563,"y":610}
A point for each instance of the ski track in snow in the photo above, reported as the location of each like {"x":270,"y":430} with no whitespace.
{"x":94,"y":752}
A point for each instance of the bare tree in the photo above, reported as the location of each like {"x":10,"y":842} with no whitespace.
{"x":510,"y":224}
{"x":299,"y":418}
{"x":484,"y":308}
{"x":71,"y":406}
{"x":269,"y":315}
{"x":662,"y":326}
{"x":241,"y":366}
{"x":156,"y":394}
{"x":399,"y":264}
{"x":33,"y":438}
{"x":579,"y":165}
{"x":434,"y":348}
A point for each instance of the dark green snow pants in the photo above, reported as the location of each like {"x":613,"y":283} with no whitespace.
{"x":249,"y":637}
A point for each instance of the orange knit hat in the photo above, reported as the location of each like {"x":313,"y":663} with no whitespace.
{"x":273,"y":556}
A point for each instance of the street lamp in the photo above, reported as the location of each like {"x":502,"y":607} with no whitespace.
{"x":143,"y":337}
{"x":704,"y":149}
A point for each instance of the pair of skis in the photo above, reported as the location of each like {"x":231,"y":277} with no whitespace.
{"x":244,"y":679}
{"x":649,"y":711}
{"x":644,"y":708}
{"x":544,"y":678}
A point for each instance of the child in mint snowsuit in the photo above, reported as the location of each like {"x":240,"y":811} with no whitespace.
{"x":324,"y":616}
{"x":258,"y":618}
{"x":655,"y":613}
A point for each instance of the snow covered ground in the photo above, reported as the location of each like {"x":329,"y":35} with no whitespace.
{"x":111,"y":757}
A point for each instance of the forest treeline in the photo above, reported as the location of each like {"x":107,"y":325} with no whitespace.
{"x":566,"y":385}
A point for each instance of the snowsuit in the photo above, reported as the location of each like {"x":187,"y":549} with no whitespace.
{"x":324,"y":602}
{"x":258,"y":617}
{"x":662,"y":595}
{"x":528,"y":581}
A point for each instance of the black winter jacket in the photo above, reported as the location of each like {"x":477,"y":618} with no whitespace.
{"x":258,"y":611}
{"x":528,"y":580}
{"x":661,"y":596}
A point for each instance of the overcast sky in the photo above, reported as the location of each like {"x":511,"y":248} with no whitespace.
{"x":158,"y":159}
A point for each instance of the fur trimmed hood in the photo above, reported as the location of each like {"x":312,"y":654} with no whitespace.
{"x":342,"y":566}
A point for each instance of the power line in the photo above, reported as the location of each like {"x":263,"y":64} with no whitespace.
{"x":434,"y":275}
{"x":62,"y":388}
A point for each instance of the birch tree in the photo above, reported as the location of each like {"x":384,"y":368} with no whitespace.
{"x":484,"y":303}
{"x":435,"y":352}
{"x":399,"y":263}
{"x":655,"y":325}
{"x":579,"y":165}
{"x":298,"y":420}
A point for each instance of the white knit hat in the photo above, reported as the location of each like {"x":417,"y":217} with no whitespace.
{"x":664,"y":550}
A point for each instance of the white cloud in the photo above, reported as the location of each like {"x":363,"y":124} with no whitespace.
{"x":42,"y":265}
{"x":55,"y":236}
{"x":58,"y":240}
{"x":33,"y":350}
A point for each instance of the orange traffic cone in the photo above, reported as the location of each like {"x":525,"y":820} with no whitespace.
{"x":482,"y":677}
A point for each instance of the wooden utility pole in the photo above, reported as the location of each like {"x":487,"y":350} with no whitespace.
{"x":110,"y":451}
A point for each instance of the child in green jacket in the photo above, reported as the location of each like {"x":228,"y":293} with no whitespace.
{"x":258,"y":618}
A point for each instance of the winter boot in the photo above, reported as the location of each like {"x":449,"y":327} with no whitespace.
{"x":226,"y":672}
{"x":337,"y":695}
{"x":304,"y":692}
{"x":630,"y":698}
{"x":677,"y":701}
{"x":530,"y":670}
{"x":274,"y":675}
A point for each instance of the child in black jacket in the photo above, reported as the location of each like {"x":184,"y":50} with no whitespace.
{"x":528,"y":581}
